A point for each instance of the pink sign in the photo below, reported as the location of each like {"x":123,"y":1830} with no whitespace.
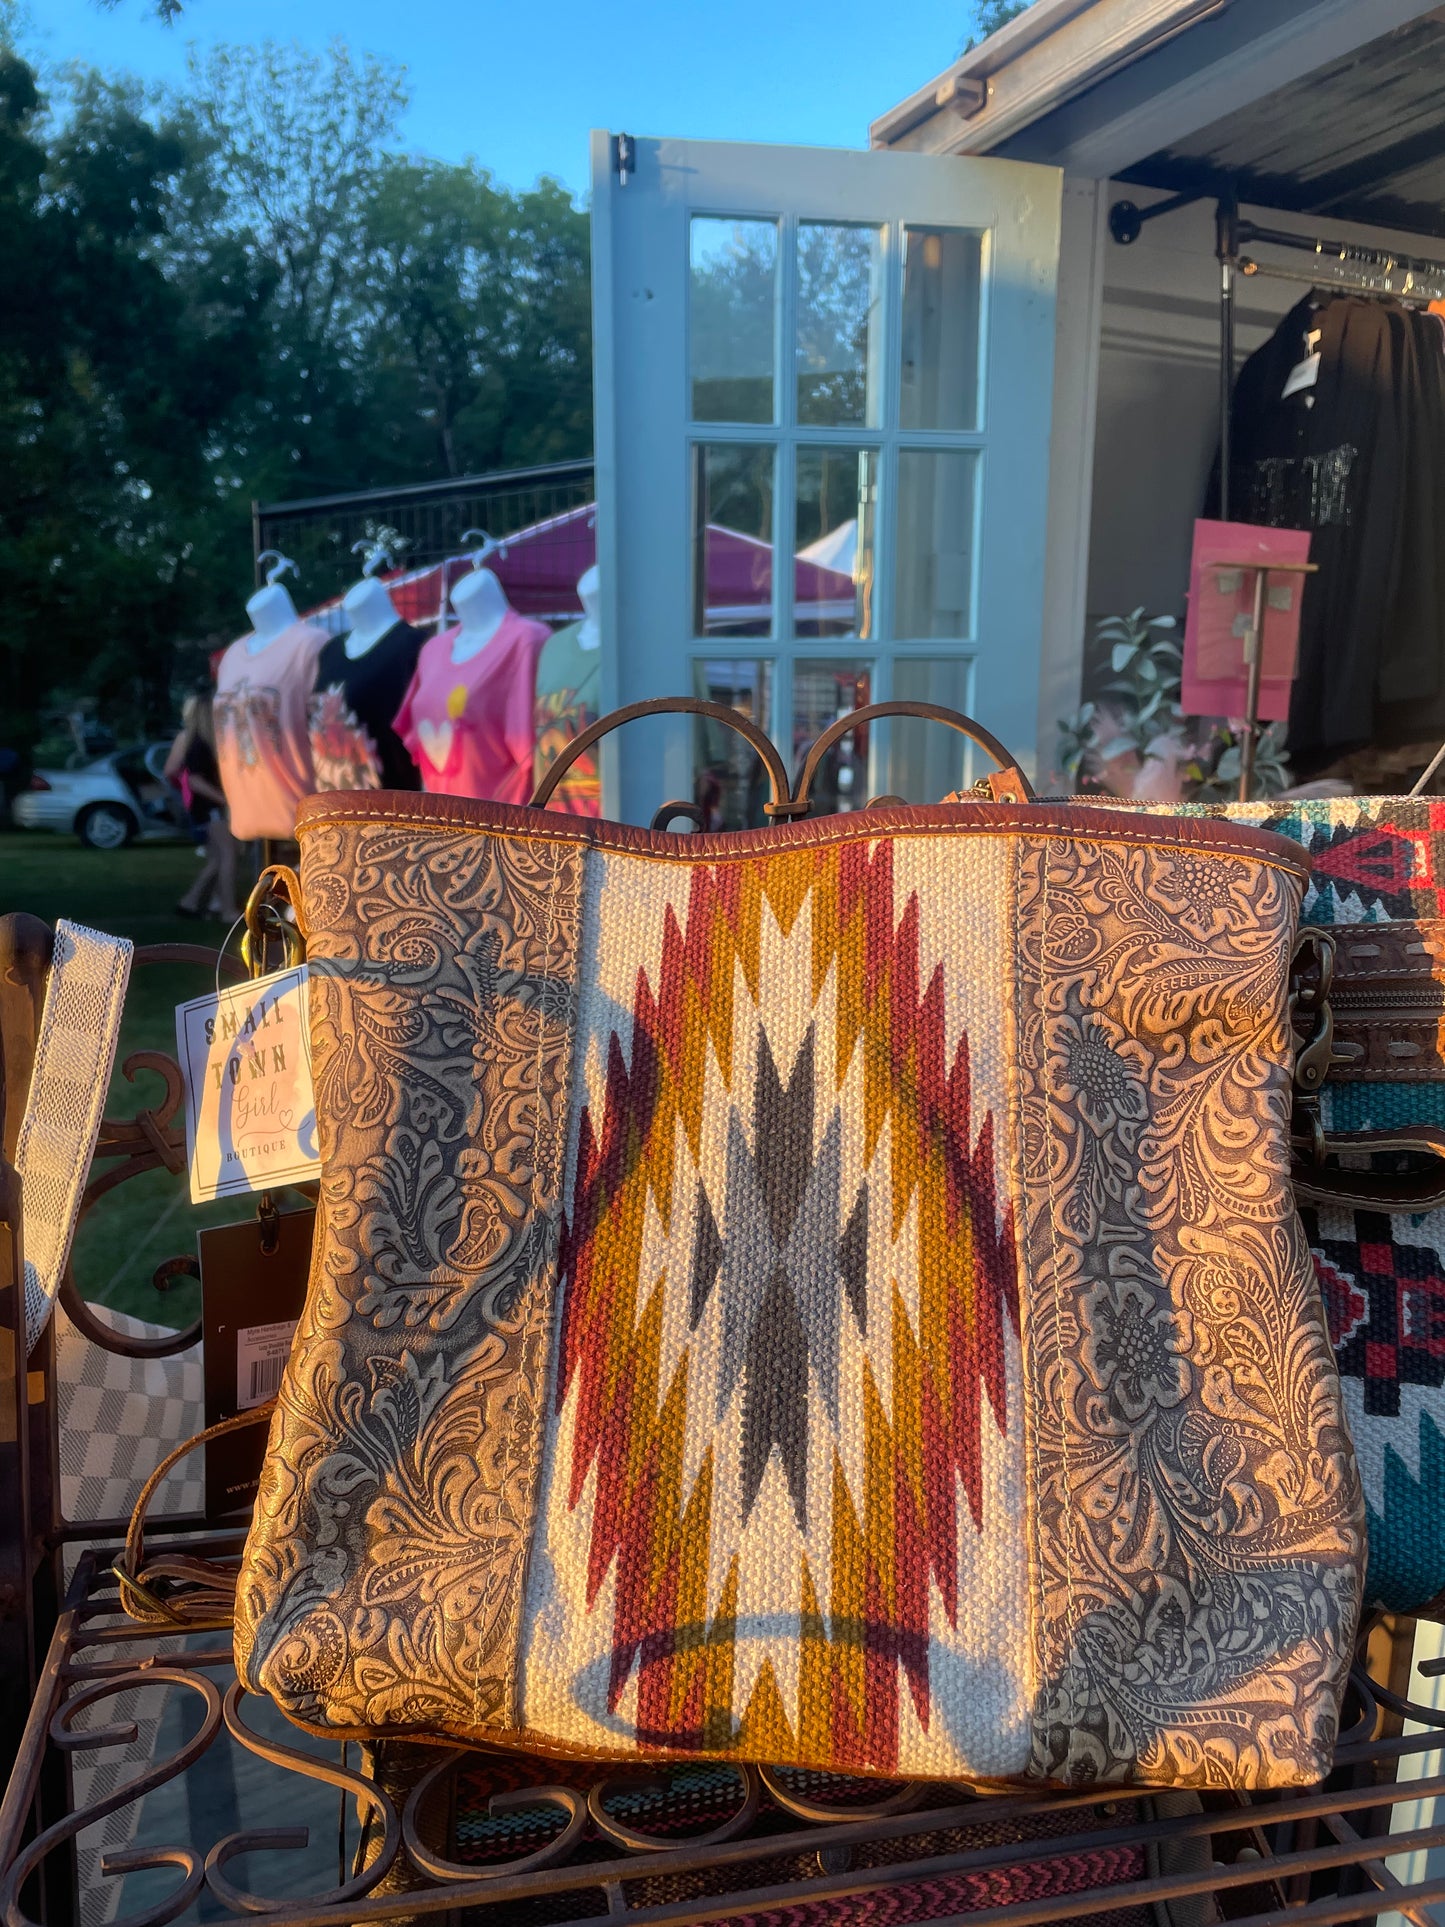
{"x":1221,"y":611}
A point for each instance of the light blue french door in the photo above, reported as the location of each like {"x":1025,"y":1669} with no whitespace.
{"x":823,"y":384}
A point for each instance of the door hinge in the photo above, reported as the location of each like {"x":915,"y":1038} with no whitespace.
{"x":624,"y":157}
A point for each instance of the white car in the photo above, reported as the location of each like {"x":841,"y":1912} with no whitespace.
{"x":109,"y":802}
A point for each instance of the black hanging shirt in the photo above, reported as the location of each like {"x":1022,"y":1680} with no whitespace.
{"x":353,"y":745}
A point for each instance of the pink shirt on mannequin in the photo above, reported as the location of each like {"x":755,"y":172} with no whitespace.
{"x":468,"y":725}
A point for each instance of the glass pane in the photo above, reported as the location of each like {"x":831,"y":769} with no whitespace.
{"x":833,"y":542}
{"x":840,"y":289}
{"x":822,"y":692}
{"x":942,"y":268}
{"x":730,"y":785}
{"x":734,"y":295}
{"x":927,"y":760}
{"x":933,"y":586}
{"x":732,"y":539}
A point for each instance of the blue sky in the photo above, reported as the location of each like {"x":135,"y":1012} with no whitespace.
{"x":519,"y":86}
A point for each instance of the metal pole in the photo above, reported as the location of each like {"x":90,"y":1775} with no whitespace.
{"x":1226,"y":247}
{"x":1253,"y":663}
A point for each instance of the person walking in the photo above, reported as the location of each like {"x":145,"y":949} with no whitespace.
{"x":192,"y":765}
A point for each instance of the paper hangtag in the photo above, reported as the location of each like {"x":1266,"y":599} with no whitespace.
{"x":251,"y":1299}
{"x":246,"y":1061}
{"x":261,"y":1353}
{"x":1304,"y":374}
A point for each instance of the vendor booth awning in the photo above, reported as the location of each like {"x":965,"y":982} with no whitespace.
{"x":539,"y":568}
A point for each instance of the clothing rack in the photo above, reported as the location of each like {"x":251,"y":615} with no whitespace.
{"x":1231,"y":234}
{"x":1414,"y":288}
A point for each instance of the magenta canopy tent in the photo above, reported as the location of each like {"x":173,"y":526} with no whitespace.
{"x":539,"y":568}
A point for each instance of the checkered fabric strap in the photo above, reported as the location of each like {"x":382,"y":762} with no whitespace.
{"x":74,"y":1056}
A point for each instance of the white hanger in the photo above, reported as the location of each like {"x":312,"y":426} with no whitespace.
{"x":271,"y":609}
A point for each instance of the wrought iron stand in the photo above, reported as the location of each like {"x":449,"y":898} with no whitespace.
{"x":426,"y":1831}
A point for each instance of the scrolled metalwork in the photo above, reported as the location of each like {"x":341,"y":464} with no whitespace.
{"x":793,"y":1840}
{"x":910,"y":1793}
{"x":637,"y":1840}
{"x":65,"y":1829}
{"x":239,"y":1899}
{"x":438,"y":1867}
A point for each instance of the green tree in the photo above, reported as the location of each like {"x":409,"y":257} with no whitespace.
{"x":477,"y":339}
{"x":989,"y":16}
{"x":295,"y":144}
{"x":168,"y":12}
{"x":118,"y":378}
{"x":243,"y":289}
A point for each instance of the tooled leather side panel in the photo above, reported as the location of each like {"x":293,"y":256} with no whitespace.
{"x":1198,"y":1520}
{"x":383,"y":1577}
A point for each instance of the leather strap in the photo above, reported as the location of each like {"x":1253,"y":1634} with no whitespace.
{"x":1008,"y":784}
{"x":778,"y":803}
{"x":1329,"y":1184}
{"x":176,"y":1589}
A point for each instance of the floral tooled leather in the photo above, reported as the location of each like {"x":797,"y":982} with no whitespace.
{"x":1198,"y":1531}
{"x":382,"y":1583}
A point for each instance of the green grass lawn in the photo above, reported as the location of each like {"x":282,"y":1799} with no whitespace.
{"x":128,"y":893}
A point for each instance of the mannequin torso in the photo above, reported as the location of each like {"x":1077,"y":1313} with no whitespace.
{"x":271,"y":610}
{"x":481,"y":605}
{"x":589,"y":591}
{"x":371,"y":612}
{"x":262,"y":743}
{"x":569,"y":688}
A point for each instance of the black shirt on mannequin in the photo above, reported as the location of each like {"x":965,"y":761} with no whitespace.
{"x":353,"y":745}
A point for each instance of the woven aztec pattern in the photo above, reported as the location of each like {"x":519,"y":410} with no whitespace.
{"x":1380,"y":860}
{"x":688,"y":1364}
{"x":788,"y":1379}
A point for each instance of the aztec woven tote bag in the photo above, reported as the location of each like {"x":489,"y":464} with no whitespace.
{"x":828,"y":1295}
{"x":1377,"y":891}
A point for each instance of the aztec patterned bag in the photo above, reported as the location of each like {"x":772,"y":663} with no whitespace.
{"x":827,"y":1295}
{"x":1378,"y":888}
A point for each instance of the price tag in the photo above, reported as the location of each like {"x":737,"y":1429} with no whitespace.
{"x":250,"y":1112}
{"x":253,"y":1286}
{"x":1304,"y":374}
{"x":261,"y":1353}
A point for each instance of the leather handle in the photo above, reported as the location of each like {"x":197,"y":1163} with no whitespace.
{"x":1330,"y":1184}
{"x":779,"y":803}
{"x":1008,"y":784}
{"x":176,"y":1588}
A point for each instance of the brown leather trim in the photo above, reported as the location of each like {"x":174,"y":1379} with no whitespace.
{"x":396,"y":808}
{"x":1388,"y":1001}
{"x":1413,"y":948}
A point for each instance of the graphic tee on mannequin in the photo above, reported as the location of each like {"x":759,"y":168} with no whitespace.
{"x":361,"y":679}
{"x":569,"y":692}
{"x":467,"y":717}
{"x":262,"y":691}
